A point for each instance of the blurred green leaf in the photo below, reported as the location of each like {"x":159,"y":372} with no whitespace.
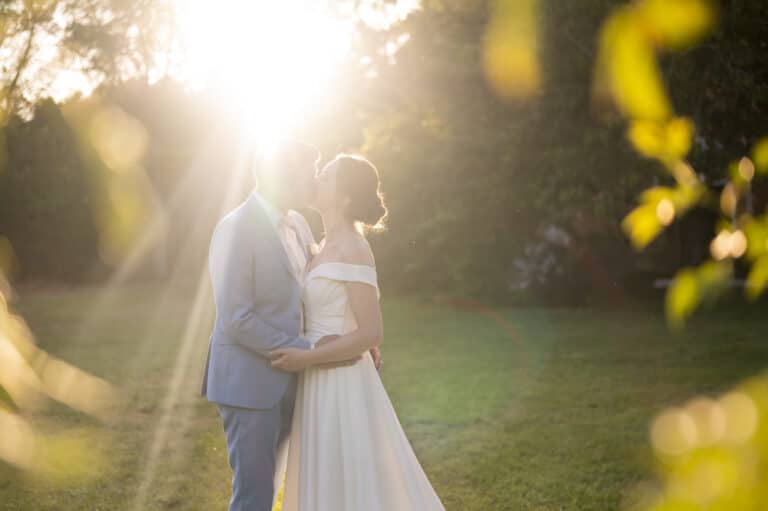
{"x":657,"y":193}
{"x":642,"y":225}
{"x":631,"y":68}
{"x":693,"y":285}
{"x":722,"y":468}
{"x":648,"y":138}
{"x":756,"y":230}
{"x":712,"y":274}
{"x":741,"y":172}
{"x":660,"y":205}
{"x":729,"y":199}
{"x":683,"y":296}
{"x":665,"y":141}
{"x":511,"y":49}
{"x":6,"y":401}
{"x":760,"y":155}
{"x":679,"y":136}
{"x":757,"y":278}
{"x":677,"y":24}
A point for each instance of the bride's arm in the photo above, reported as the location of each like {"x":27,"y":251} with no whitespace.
{"x":364,"y":300}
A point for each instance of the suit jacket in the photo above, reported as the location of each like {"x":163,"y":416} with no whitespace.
{"x":258,"y":309}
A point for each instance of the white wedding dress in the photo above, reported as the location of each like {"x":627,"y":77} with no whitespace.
{"x":347,"y":450}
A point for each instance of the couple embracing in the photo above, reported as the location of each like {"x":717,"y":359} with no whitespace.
{"x":293,"y":359}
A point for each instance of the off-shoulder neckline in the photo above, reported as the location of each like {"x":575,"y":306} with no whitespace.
{"x":366,"y":266}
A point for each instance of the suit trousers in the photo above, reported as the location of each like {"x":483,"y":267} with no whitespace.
{"x":257,"y":444}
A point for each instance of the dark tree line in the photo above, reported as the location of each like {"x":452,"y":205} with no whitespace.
{"x":488,"y":199}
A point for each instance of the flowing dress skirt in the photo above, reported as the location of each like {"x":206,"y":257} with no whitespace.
{"x":348,"y":451}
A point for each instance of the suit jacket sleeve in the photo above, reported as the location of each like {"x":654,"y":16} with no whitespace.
{"x":232,"y":275}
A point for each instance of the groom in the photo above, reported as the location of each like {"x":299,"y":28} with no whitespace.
{"x":257,"y":256}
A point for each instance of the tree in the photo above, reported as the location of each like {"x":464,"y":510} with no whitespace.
{"x":95,"y":41}
{"x":46,"y":198}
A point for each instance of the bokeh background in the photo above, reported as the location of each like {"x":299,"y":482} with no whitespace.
{"x":576,"y":245}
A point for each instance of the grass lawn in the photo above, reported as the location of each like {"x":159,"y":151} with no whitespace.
{"x":531,"y":410}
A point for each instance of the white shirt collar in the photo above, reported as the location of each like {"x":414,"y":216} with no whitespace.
{"x":272,"y":212}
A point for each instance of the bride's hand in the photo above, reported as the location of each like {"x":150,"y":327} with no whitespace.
{"x":291,"y":360}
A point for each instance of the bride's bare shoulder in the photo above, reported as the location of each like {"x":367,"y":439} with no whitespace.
{"x":357,"y":250}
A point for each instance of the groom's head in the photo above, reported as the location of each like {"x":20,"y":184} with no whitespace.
{"x":286,"y":177}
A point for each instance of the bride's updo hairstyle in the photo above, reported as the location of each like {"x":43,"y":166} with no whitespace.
{"x":358,"y":180}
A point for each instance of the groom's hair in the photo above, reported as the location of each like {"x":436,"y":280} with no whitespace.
{"x":288,"y":158}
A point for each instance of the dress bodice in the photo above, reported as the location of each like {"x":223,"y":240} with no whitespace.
{"x":327,"y":310}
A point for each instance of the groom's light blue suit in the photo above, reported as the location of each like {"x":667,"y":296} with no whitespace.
{"x":258,"y":309}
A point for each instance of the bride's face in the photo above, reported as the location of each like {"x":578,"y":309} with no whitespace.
{"x":325,"y":188}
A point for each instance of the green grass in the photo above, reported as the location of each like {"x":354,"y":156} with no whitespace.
{"x":533,"y":410}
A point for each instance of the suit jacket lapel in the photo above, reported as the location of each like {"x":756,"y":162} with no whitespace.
{"x":270,"y":234}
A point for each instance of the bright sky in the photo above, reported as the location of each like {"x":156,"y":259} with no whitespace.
{"x":267,"y":61}
{"x":271,"y":61}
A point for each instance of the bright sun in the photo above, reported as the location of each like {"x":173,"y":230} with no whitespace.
{"x":270,"y":61}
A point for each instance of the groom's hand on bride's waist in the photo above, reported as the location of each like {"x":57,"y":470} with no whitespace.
{"x":330,"y":365}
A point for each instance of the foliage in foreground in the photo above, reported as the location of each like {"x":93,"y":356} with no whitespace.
{"x":628,"y":72}
{"x":28,"y":378}
{"x":713,"y":453}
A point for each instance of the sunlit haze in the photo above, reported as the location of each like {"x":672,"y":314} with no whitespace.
{"x":268,"y":61}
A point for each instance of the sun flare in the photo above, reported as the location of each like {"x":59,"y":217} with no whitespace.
{"x":267,"y":61}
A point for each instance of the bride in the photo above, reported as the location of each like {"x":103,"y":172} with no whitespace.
{"x":348,"y":451}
